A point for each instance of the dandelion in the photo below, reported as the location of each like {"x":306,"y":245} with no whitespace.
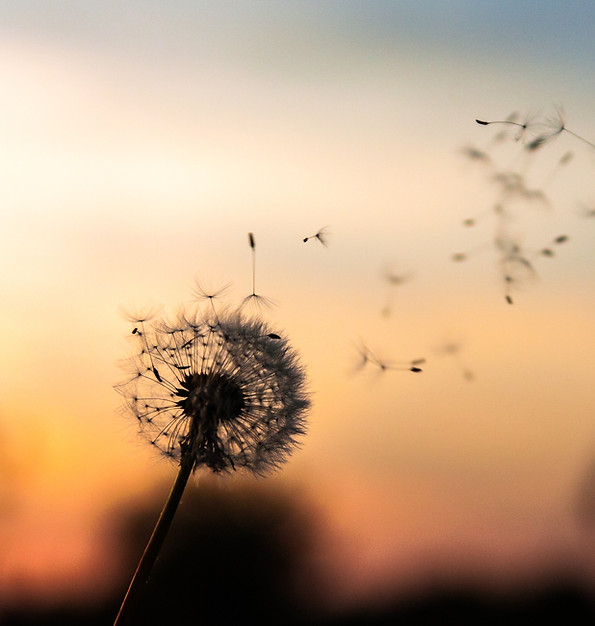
{"x":220,"y":392}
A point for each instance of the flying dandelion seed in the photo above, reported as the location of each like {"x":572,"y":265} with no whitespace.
{"x":393,"y":281}
{"x":562,"y":162}
{"x":220,"y":392}
{"x":453,"y":349}
{"x":201,"y":292}
{"x":475,"y":154}
{"x":586,"y":211}
{"x":548,"y":250}
{"x":321,"y":236}
{"x":367,"y":357}
{"x":511,"y":120}
{"x":516,"y":268}
{"x":551,"y":127}
{"x":257,"y":299}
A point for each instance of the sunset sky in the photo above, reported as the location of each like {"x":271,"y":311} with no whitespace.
{"x":142,"y":141}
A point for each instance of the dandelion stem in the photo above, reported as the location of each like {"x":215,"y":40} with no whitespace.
{"x":151,"y":552}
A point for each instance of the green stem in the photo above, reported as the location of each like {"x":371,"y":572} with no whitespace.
{"x":155,"y":542}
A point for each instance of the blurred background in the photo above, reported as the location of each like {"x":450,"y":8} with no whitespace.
{"x":142,"y":141}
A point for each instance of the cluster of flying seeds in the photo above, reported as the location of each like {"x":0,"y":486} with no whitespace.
{"x":516,"y":262}
{"x":366,"y":356}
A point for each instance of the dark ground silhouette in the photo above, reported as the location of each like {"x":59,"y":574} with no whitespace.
{"x":238,"y":557}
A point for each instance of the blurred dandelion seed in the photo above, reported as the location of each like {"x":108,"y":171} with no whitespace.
{"x":511,"y":120}
{"x":367,"y":357}
{"x":586,"y":211}
{"x":564,"y":160}
{"x":393,"y":281}
{"x":231,"y":395}
{"x":497,"y":210}
{"x":321,"y":235}
{"x":548,"y":251}
{"x":475,"y":154}
{"x":453,"y":349}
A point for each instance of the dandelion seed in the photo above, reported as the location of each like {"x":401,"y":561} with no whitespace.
{"x":257,"y":299}
{"x":513,"y":184}
{"x":394,"y":280}
{"x":259,"y":302}
{"x":203,"y":293}
{"x":552,"y":127}
{"x":563,"y":161}
{"x":367,"y":356}
{"x":453,"y":350}
{"x":511,"y":121}
{"x":586,"y":211}
{"x":321,"y":235}
{"x":474,"y":154}
{"x":548,"y":251}
{"x":566,"y":158}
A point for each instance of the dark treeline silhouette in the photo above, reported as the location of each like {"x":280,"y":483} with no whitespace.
{"x":238,"y":555}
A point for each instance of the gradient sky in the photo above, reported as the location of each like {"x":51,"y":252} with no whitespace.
{"x":142,"y":141}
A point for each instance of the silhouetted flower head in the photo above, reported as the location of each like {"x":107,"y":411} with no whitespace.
{"x":220,"y":391}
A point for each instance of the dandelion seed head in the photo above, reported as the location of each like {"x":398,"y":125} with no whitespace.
{"x":222,"y":390}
